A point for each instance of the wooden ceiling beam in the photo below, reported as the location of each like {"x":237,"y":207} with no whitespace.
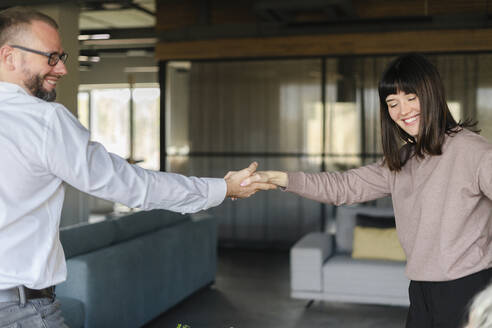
{"x":456,"y":40}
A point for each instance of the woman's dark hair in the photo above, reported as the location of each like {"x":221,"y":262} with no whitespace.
{"x":413,"y":73}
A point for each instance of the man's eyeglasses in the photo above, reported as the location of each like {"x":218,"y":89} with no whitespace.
{"x":53,"y":57}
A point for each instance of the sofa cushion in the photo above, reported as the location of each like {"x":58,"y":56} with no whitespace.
{"x":72,"y":311}
{"x":142,"y":222}
{"x":345,"y":224}
{"x":86,"y":237}
{"x":369,"y":281}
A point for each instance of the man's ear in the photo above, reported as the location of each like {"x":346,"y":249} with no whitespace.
{"x":7,"y":57}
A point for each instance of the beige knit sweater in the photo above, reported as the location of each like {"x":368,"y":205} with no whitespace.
{"x":443,"y":204}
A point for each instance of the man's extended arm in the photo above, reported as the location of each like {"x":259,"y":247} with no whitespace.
{"x":90,"y":168}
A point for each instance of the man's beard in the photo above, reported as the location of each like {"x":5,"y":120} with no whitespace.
{"x":35,"y":84}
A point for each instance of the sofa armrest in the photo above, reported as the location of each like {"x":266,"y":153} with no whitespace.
{"x":306,"y":261}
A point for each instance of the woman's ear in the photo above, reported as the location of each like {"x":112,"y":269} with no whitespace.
{"x":7,"y":59}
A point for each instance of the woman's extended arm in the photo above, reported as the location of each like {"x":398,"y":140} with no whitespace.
{"x":353,"y":186}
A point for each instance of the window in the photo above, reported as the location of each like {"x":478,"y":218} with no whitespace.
{"x":126,"y":121}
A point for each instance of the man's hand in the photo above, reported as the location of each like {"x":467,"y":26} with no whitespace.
{"x":234,"y":179}
{"x":277,"y":178}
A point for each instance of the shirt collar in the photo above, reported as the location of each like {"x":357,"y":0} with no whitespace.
{"x":12,"y":87}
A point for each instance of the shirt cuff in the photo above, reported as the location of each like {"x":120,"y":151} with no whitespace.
{"x":217,"y":189}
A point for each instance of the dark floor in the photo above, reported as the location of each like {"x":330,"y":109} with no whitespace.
{"x":252,"y":291}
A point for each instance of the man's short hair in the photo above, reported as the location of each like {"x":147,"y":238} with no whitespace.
{"x":15,"y":20}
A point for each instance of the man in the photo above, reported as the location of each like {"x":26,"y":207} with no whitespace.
{"x":41,"y":146}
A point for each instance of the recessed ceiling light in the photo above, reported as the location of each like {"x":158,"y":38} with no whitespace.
{"x":93,"y":59}
{"x":105,"y":36}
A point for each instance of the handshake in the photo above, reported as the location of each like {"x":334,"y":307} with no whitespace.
{"x":245,"y":183}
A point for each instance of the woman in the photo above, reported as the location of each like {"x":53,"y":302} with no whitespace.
{"x":439,"y":175}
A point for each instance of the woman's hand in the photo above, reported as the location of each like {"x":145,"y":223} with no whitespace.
{"x":278,"y":178}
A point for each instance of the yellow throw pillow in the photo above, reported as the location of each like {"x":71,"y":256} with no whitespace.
{"x":377,"y":243}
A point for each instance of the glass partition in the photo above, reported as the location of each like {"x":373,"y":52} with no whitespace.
{"x":293,"y":114}
{"x":223,"y":115}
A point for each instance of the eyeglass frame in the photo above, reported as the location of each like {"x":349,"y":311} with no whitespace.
{"x":57,"y":56}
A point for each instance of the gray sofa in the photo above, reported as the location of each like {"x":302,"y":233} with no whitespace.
{"x":322,"y":267}
{"x":124,"y":272}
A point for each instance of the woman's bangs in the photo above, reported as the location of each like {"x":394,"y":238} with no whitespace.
{"x":394,"y":86}
{"x":397,"y":79}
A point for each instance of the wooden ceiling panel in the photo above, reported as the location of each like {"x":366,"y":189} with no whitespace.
{"x":232,"y":12}
{"x":457,"y":7}
{"x":176,"y":14}
{"x":369,"y":9}
{"x":374,"y":27}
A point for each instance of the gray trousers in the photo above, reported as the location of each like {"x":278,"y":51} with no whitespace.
{"x":35,"y":313}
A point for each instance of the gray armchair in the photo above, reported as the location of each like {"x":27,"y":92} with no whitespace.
{"x":322,"y":267}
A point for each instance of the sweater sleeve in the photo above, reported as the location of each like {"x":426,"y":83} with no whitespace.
{"x":353,"y":186}
{"x":485,"y":174}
